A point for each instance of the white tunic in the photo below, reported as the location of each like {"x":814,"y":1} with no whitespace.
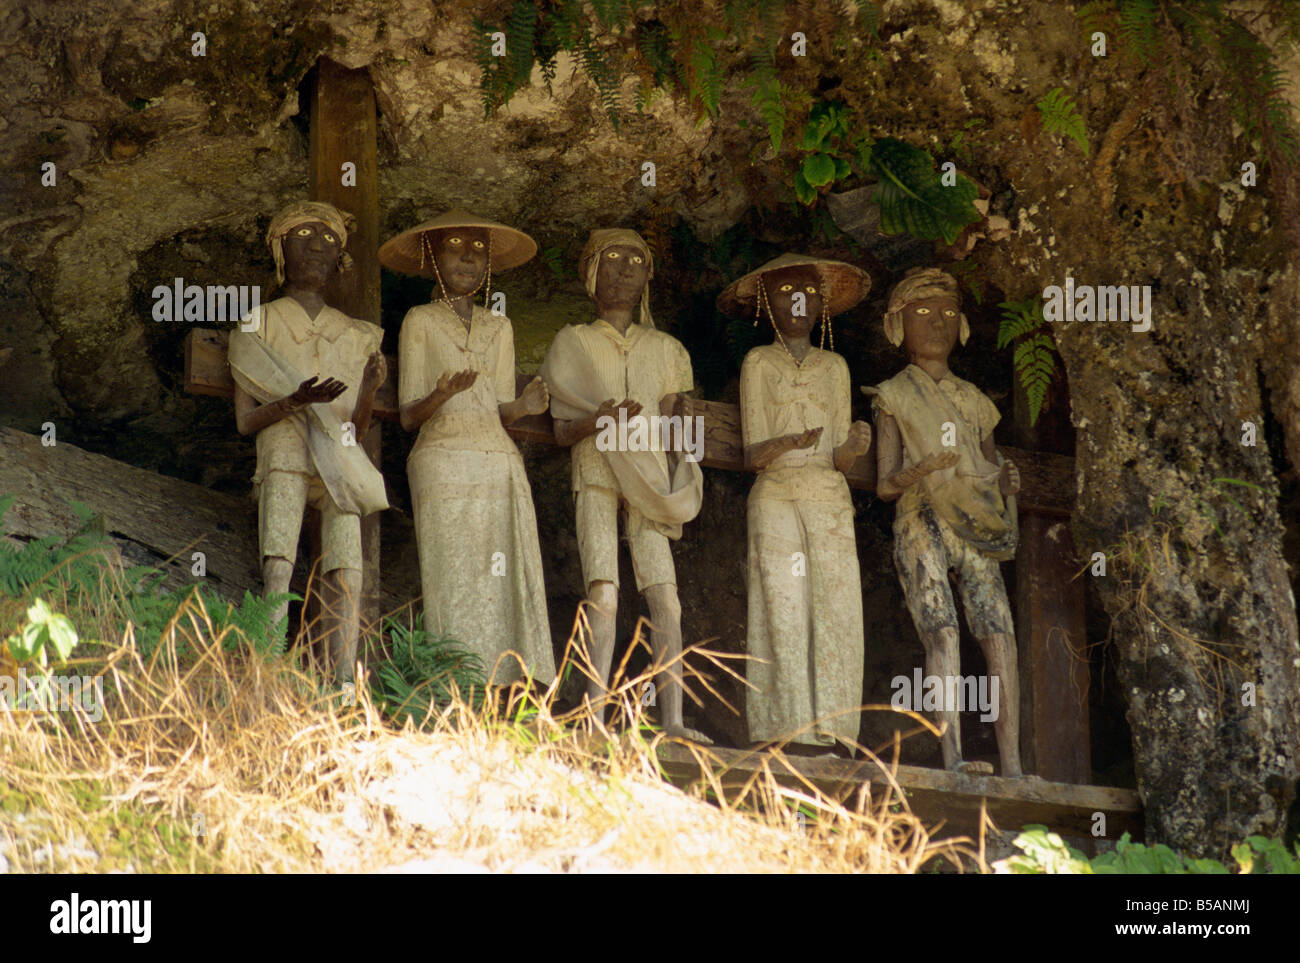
{"x":480,"y":564}
{"x":805,"y":596}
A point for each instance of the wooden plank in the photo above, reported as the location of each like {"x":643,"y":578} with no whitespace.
{"x":163,"y":516}
{"x":154,"y":517}
{"x":934,"y":795}
{"x":1047,"y":481}
{"x":1050,"y":631}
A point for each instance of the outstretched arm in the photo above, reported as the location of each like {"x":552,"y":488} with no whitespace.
{"x":857,"y":443}
{"x":762,"y":453}
{"x":533,"y":400}
{"x":569,"y":433}
{"x":416,"y":413}
{"x":250,"y":417}
{"x":891,"y":481}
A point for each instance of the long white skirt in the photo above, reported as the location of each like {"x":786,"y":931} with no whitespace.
{"x":480,"y":564}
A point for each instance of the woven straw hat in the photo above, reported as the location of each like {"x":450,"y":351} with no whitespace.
{"x":847,"y":284}
{"x":405,"y":254}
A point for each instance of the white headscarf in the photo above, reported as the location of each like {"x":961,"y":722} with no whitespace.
{"x":303,"y":212}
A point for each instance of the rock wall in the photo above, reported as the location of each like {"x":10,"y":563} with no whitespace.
{"x":171,"y":165}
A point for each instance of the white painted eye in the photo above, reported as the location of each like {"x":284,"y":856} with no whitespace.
{"x":811,"y":289}
{"x":479,"y":245}
{"x":950,"y":313}
{"x":922,"y":310}
{"x":454,"y":241}
{"x":329,"y":237}
{"x":303,"y":232}
{"x":637,"y":259}
{"x":786,"y":287}
{"x":612,"y":255}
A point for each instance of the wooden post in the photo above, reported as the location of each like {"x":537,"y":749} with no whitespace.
{"x":1050,"y":618}
{"x":1050,"y":626}
{"x":343,"y":133}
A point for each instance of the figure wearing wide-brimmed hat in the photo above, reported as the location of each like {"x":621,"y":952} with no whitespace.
{"x":309,"y":430}
{"x":956,"y":503}
{"x":805,"y":597}
{"x":480,"y":563}
{"x":619,"y":368}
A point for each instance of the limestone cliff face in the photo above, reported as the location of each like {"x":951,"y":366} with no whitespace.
{"x":170,"y":165}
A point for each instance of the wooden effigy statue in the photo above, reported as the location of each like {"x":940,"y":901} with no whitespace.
{"x":480,"y":562}
{"x":956,"y":504}
{"x":619,"y":368}
{"x":805,"y":630}
{"x":306,"y":377}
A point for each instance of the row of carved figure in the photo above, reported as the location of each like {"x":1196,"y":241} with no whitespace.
{"x":304,"y":370}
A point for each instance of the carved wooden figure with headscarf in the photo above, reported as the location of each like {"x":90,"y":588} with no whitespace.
{"x":306,"y":376}
{"x":956,"y":506}
{"x":588,"y":369}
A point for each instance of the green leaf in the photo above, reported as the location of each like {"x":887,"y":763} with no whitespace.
{"x":913,"y":199}
{"x":802,"y":190}
{"x":818,"y":170}
{"x":1242,"y":854}
{"x":62,"y":635}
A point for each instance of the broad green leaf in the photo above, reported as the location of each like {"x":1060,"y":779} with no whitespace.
{"x":912,"y":198}
{"x":818,"y":170}
{"x":63,"y":635}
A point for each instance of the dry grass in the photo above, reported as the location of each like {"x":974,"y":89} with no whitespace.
{"x":234,"y":763}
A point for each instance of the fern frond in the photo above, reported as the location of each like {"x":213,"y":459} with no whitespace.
{"x":1035,"y":363}
{"x":767,"y":96}
{"x":1137,"y":27}
{"x":706,"y":78}
{"x":1018,"y":319}
{"x":599,"y":70}
{"x":868,"y":16}
{"x":1061,"y":116}
{"x":1097,"y":15}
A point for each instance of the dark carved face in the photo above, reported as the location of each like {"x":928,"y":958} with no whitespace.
{"x":462,"y":257}
{"x":930,"y":328}
{"x":621,"y":276}
{"x":311,"y":254}
{"x":795,"y":296}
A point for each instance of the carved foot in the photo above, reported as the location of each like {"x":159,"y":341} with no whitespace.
{"x":689,"y":734}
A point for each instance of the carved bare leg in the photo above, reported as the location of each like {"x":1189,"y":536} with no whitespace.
{"x":1000,"y":653}
{"x":602,"y":608}
{"x":276,"y":575}
{"x":346,"y":624}
{"x":943,"y":660}
{"x":666,"y":641}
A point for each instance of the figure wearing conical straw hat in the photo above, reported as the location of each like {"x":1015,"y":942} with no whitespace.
{"x":956,"y":505}
{"x":619,"y":370}
{"x":805,"y":632}
{"x":480,"y":563}
{"x":305,"y":377}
